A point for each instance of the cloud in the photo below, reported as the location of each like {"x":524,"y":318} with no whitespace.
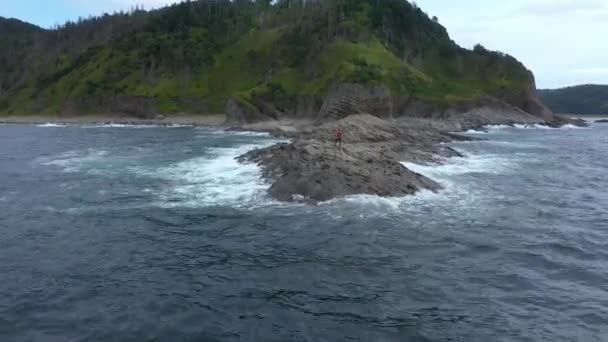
{"x":545,"y":8}
{"x":591,"y":71}
{"x":561,"y":41}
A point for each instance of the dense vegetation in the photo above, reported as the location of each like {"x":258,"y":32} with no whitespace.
{"x":583,"y":99}
{"x":195,"y":55}
{"x":15,"y":39}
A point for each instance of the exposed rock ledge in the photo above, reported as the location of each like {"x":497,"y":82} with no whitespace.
{"x":369,"y":163}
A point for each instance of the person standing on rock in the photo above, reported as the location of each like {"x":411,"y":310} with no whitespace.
{"x":338,"y":140}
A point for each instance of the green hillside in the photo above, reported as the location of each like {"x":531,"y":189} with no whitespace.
{"x":194,"y":56}
{"x":582,"y":99}
{"x":16,"y":38}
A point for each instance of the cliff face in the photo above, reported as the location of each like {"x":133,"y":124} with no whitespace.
{"x":352,"y":99}
{"x":258,"y":61}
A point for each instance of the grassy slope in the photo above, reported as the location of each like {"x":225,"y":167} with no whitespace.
{"x":363,"y":62}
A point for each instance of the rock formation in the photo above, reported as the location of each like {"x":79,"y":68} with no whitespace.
{"x":312,"y":168}
{"x":370,"y":162}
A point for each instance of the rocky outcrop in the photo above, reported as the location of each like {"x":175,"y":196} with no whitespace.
{"x":239,"y":111}
{"x":396,"y":130}
{"x":342,"y":100}
{"x":307,"y":107}
{"x":490,"y":114}
{"x":529,"y":102}
{"x":370,"y":162}
{"x":348,"y":99}
{"x":319,"y":172}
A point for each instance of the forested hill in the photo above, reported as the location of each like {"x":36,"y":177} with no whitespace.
{"x":582,"y":99}
{"x":194,"y":56}
{"x":15,"y":39}
{"x":13,"y":26}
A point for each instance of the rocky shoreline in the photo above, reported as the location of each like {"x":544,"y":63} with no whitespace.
{"x":311,"y":169}
{"x":107,"y":119}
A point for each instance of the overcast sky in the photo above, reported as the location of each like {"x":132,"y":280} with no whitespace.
{"x":564,"y":42}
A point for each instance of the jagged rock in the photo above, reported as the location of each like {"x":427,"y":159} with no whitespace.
{"x":239,"y":111}
{"x":558,"y":121}
{"x":369,"y":162}
{"x":317,"y":171}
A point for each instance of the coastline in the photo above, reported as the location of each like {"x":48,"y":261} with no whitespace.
{"x":310,"y":169}
{"x":178,"y":119}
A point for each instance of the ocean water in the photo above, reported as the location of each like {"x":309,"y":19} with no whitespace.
{"x":123,"y":233}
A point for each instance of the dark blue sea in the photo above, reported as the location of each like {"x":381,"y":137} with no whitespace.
{"x":143,"y":233}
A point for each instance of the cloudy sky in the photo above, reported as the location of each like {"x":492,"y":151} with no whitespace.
{"x":563,"y":41}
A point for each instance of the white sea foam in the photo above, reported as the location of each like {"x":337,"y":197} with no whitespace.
{"x":50,"y":124}
{"x":539,"y":127}
{"x":545,"y":127}
{"x":497,"y":127}
{"x":212,"y":130}
{"x":180,"y":126}
{"x":475,"y":163}
{"x":214,"y":179}
{"x":252,"y":134}
{"x":458,"y":192}
{"x":224,"y":132}
{"x":570,"y":126}
{"x":74,"y":161}
{"x":369,"y":201}
{"x":489,"y":128}
{"x":117,"y":125}
{"x":474,"y":131}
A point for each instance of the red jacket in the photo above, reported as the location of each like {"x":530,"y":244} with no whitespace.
{"x":338,"y":134}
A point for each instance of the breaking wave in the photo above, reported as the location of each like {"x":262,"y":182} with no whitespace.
{"x":489,"y":128}
{"x":454,"y":174}
{"x":50,"y":124}
{"x":215,"y":179}
{"x":539,"y":126}
{"x":75,"y":161}
{"x":470,"y":164}
{"x":117,"y":125}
